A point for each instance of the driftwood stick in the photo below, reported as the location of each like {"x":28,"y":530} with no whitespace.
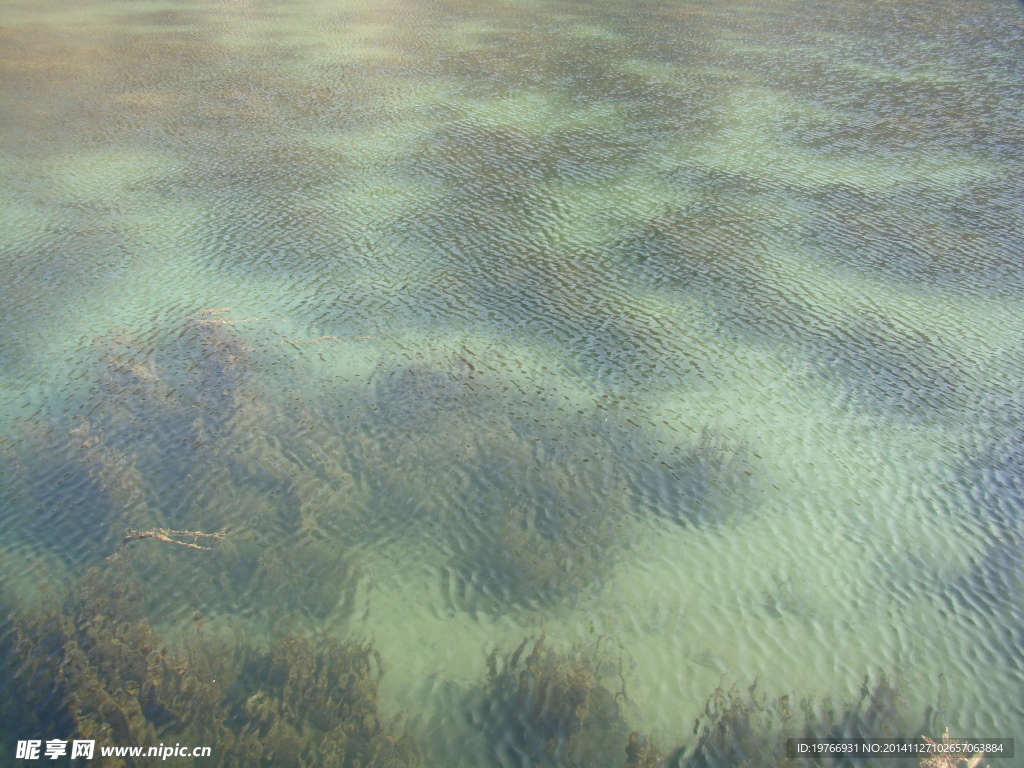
{"x":165,"y":534}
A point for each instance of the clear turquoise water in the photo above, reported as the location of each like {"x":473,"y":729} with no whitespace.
{"x":696,"y":327}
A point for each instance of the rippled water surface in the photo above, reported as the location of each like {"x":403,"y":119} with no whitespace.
{"x":681,"y":340}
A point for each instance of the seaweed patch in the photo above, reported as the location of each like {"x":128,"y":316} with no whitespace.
{"x":95,"y":668}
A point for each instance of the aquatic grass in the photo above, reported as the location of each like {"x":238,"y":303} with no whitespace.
{"x":920,"y":237}
{"x":751,"y":729}
{"x":555,"y":708}
{"x":532,"y":533}
{"x":716,"y":252}
{"x":989,"y":483}
{"x":63,"y":480}
{"x":709,"y":481}
{"x":95,"y":668}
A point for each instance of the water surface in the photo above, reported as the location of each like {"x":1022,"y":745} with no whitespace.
{"x":687,"y":334}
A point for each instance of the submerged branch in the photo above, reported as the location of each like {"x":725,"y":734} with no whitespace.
{"x":165,"y":534}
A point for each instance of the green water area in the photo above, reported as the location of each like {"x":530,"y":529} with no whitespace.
{"x":505,"y":384}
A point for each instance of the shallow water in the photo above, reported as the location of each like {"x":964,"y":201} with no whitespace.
{"x":692,"y":329}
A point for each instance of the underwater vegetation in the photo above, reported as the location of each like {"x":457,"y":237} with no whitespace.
{"x":95,"y":668}
{"x":412,"y":393}
{"x":922,"y":236}
{"x":642,"y":753}
{"x":175,"y":433}
{"x":989,"y":483}
{"x":157,"y":391}
{"x":747,"y":729}
{"x":266,"y":150}
{"x":114,"y":458}
{"x":318,"y":700}
{"x":435,"y":443}
{"x":534,"y":552}
{"x":555,"y":709}
{"x":52,"y":471}
{"x":714,"y":250}
{"x":709,"y":246}
{"x":707,"y":482}
{"x":179,"y":430}
{"x":888,"y":365}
